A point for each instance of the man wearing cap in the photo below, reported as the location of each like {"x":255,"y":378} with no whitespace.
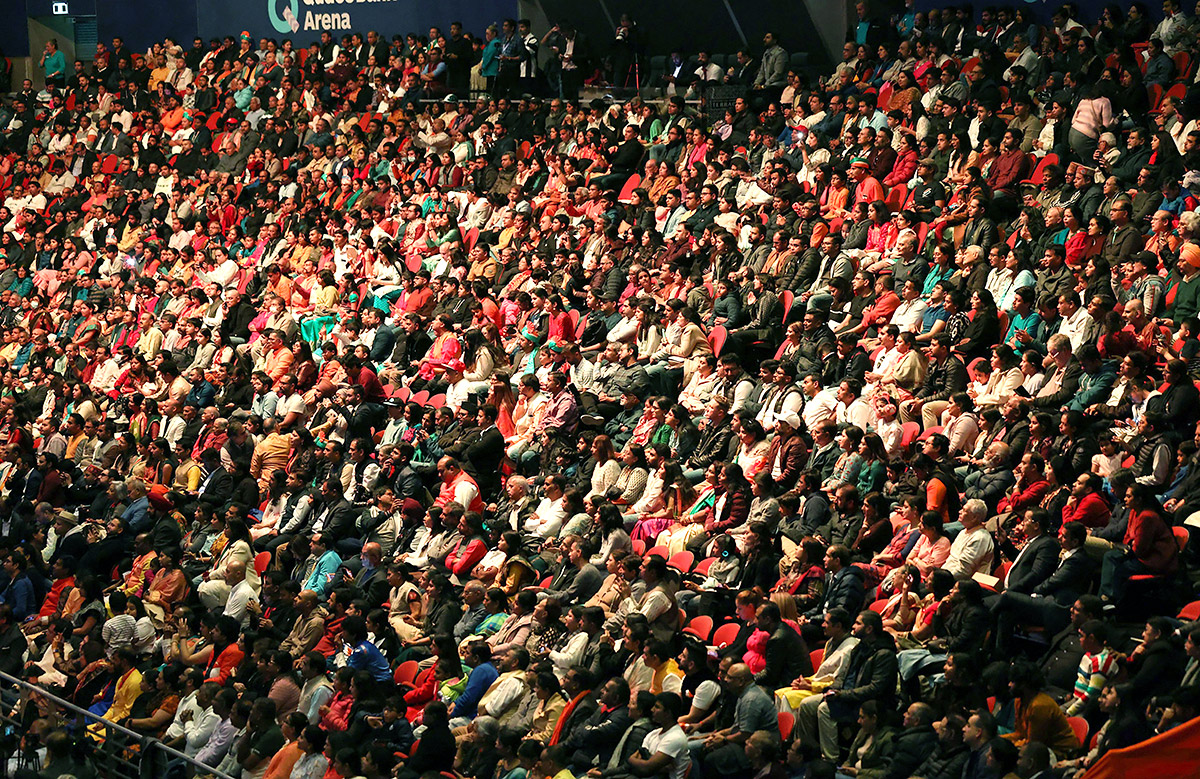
{"x":866,"y":188}
{"x":458,"y":388}
{"x":1187,"y":296}
{"x":788,"y":454}
{"x":71,"y":538}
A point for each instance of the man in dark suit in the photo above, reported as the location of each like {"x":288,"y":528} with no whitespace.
{"x":362,"y":418}
{"x":217,"y":485}
{"x":1048,"y":604}
{"x":786,"y":654}
{"x":337,"y":515}
{"x":484,"y":453}
{"x":371,"y":579}
{"x":115,"y":142}
{"x":1037,"y":559}
{"x":597,"y":736}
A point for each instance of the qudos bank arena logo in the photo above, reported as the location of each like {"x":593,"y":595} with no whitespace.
{"x":288,"y":21}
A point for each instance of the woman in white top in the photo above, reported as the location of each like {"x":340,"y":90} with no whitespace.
{"x":1031,"y":370}
{"x":608,"y":468}
{"x":1002,"y":384}
{"x":752,"y":449}
{"x":959,"y":423}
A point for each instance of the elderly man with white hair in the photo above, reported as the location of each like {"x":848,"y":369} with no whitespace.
{"x":972,"y":551}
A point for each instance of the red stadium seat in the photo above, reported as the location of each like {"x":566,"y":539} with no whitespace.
{"x":406,"y":672}
{"x":700,"y":627}
{"x":716,"y":339}
{"x":726,"y":634}
{"x":787,"y":721}
{"x":1080,"y":727}
{"x":631,"y":184}
{"x":682,"y":561}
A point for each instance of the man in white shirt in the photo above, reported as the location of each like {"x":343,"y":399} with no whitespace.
{"x":707,"y":72}
{"x":1172,"y":29}
{"x":503,"y":697}
{"x":973,"y":550}
{"x":458,"y":390}
{"x":1027,"y":57}
{"x":180,"y":235}
{"x":820,"y":404}
{"x":626,"y":329}
{"x":910,"y":313}
{"x":290,"y":408}
{"x":550,"y":513}
{"x":196,"y":729}
{"x":1077,"y":325}
{"x":241,"y":593}
{"x":852,"y":409}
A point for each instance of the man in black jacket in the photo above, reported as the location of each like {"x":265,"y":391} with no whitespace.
{"x":235,"y":329}
{"x":12,"y":642}
{"x":946,"y":375}
{"x":912,"y":744}
{"x":623,"y":162}
{"x":949,"y":757}
{"x":337,"y":515}
{"x":596,"y":736}
{"x":1048,"y":604}
{"x":715,"y":441}
{"x":870,"y":674}
{"x":786,"y":654}
{"x":1037,"y":559}
{"x":484,"y":453}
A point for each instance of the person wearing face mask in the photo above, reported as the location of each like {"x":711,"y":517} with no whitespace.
{"x":371,"y":578}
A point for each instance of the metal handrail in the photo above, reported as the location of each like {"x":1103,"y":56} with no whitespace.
{"x":148,"y":745}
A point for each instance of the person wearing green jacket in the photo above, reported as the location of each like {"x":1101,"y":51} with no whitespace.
{"x":55,"y":64}
{"x":489,"y":62}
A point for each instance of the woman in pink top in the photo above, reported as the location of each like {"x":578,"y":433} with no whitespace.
{"x":1092,"y":114}
{"x":933,"y":547}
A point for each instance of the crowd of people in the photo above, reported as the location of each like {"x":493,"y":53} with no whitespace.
{"x":358,"y":427}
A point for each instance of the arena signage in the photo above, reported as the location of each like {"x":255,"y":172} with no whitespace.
{"x":305,"y":20}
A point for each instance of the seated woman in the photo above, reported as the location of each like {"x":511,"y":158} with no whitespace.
{"x":801,"y":574}
{"x":678,"y":499}
{"x":168,"y":587}
{"x":154,"y":709}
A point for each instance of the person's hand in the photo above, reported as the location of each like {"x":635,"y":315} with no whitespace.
{"x":802,"y":684}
